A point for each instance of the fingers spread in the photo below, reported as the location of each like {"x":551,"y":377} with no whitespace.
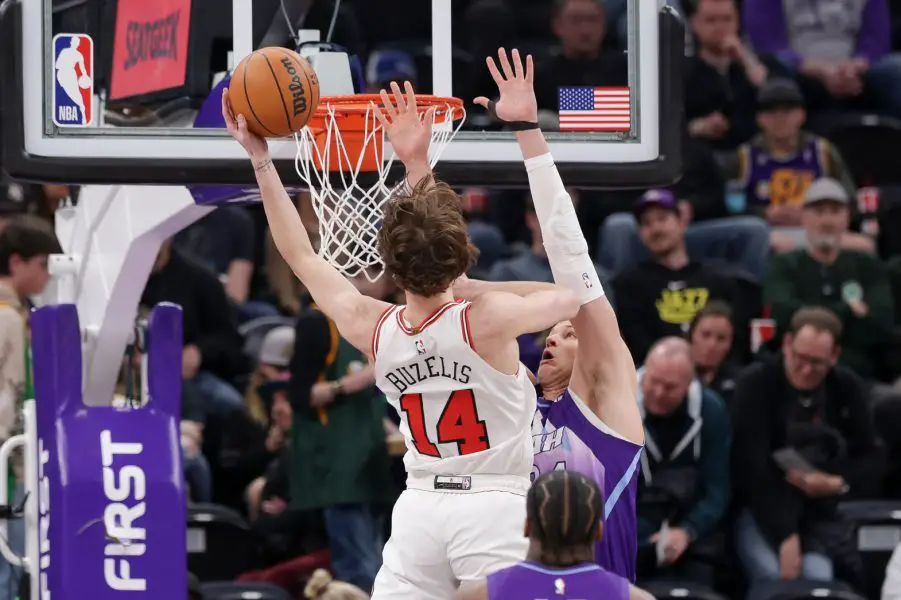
{"x":398,"y":97}
{"x":505,"y":63}
{"x":517,"y":65}
{"x":387,"y":105}
{"x":495,"y":74}
{"x":411,"y":95}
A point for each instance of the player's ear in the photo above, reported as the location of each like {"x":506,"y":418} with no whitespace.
{"x":600,"y":532}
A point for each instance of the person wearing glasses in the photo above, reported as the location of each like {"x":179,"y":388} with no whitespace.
{"x":803,"y":440}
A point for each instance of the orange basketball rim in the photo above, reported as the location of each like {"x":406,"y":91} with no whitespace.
{"x":349,"y":135}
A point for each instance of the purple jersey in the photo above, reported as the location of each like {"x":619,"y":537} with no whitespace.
{"x":567,"y":435}
{"x":780,"y":181}
{"x":532,"y":581}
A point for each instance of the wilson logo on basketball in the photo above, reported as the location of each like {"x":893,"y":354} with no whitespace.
{"x":296,"y":87}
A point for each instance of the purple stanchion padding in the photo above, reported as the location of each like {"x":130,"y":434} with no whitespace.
{"x":210,"y":116}
{"x":111,"y":496}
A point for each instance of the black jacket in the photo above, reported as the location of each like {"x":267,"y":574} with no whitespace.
{"x":209,"y":319}
{"x":766,"y":406}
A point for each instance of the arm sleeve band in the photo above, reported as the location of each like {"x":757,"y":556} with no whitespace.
{"x":564,"y":242}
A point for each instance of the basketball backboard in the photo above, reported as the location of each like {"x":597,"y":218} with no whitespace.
{"x":151,"y":65}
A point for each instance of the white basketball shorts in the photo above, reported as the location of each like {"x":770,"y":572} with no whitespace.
{"x":441,"y":540}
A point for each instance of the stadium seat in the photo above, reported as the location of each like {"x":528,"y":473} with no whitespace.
{"x":255,"y":330}
{"x":221,"y":545}
{"x":878,"y":525}
{"x":800,"y":589}
{"x":862,"y":140}
{"x":663,"y":589}
{"x":227,"y":590}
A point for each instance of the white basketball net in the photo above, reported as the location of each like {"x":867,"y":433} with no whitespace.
{"x":350,"y":213}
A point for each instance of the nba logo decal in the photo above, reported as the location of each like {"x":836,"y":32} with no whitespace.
{"x":73,"y":75}
{"x":420,"y":347}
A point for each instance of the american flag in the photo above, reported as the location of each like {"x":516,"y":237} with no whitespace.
{"x":594,"y":109}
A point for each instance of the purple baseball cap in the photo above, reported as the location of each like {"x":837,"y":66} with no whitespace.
{"x":662,"y":198}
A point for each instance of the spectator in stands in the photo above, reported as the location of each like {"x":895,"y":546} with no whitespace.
{"x":776,"y":168}
{"x":853,"y":285}
{"x":531,"y":264}
{"x":212,"y":351}
{"x":740,"y":241}
{"x":722,"y":77}
{"x":801,"y":400}
{"x":272,"y":362}
{"x":580,"y":25}
{"x":198,"y":475}
{"x":891,"y":587}
{"x":223,"y":241}
{"x":340,"y":461}
{"x":286,"y":533}
{"x":684,"y":487}
{"x":25,"y":244}
{"x":841,"y":51}
{"x":711,"y":335}
{"x":661,"y":296}
{"x":270,"y":493}
{"x":486,"y":236}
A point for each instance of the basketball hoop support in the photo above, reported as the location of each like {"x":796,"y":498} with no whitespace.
{"x":110,"y":242}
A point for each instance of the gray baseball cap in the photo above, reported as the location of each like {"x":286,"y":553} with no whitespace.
{"x":826,"y":189}
{"x":277,"y":347}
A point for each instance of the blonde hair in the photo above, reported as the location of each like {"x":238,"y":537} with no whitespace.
{"x":321,"y":586}
{"x":252,"y":401}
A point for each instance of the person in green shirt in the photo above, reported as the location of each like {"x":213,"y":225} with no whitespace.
{"x":340,"y":462}
{"x":854,"y":285}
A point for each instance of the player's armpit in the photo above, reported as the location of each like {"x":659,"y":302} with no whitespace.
{"x":503,"y":316}
{"x":354,"y":314}
{"x":604,"y":372}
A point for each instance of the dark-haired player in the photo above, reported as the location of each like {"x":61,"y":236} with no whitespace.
{"x":451,"y":369}
{"x":564,"y":519}
{"x":587,"y":418}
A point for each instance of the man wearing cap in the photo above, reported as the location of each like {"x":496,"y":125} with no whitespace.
{"x":775,"y":168}
{"x":661,"y":296}
{"x":852,"y":284}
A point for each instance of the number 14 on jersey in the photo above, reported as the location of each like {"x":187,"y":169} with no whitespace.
{"x":459,"y":423}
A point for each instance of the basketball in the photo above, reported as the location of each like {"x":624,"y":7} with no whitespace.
{"x":276,"y":90}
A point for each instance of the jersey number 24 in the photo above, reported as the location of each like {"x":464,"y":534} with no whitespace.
{"x":459,"y":423}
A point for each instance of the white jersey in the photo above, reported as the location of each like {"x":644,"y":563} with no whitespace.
{"x":459,"y":416}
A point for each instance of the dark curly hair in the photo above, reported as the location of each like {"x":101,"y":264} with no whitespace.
{"x":423,"y":241}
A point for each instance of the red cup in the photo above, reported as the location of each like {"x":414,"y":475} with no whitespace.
{"x":762,"y":331}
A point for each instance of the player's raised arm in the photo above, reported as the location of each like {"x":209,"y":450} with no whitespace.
{"x":604,"y":373}
{"x":353,"y":313}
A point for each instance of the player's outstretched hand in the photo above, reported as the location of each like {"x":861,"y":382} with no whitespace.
{"x":515,"y":81}
{"x":409,"y":133}
{"x":255,"y":145}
